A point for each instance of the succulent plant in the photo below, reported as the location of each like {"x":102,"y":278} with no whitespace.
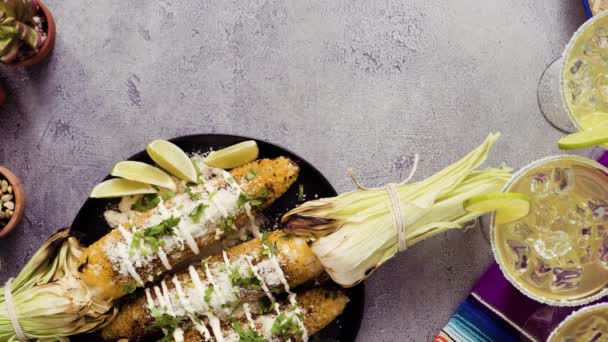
{"x":20,"y":28}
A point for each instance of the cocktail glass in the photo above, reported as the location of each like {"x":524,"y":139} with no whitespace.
{"x":582,"y":73}
{"x":587,"y":324}
{"x":558,"y":254}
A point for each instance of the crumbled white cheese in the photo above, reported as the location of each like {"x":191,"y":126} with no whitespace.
{"x":223,"y":203}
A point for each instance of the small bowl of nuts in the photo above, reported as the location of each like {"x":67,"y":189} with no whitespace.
{"x":12,"y":201}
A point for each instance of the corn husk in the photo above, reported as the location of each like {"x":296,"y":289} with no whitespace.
{"x":49,"y":298}
{"x":354,"y":232}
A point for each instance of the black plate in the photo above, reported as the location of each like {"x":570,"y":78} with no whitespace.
{"x":89,"y":224}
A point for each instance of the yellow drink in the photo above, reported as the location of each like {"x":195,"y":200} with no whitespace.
{"x":558,"y":254}
{"x":585,"y":74}
{"x":586,"y":325}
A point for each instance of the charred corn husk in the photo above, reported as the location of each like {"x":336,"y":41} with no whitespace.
{"x":178,"y":228}
{"x":49,"y":300}
{"x":256,"y":269}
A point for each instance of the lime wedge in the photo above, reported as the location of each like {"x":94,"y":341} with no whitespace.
{"x":173,"y":159}
{"x":508,"y":206}
{"x":233,"y":156}
{"x":119,"y":187}
{"x":144,"y":173}
{"x":586,"y":138}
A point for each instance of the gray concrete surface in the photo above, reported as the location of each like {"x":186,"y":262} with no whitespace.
{"x":361,"y":84}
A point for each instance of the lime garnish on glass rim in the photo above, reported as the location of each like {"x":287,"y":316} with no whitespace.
{"x":173,"y":159}
{"x":509,"y":206}
{"x":234,"y":156}
{"x":144,"y":173}
{"x":119,"y":187}
{"x":587,"y":138}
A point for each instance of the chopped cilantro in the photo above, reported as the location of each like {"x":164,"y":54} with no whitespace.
{"x":269,"y":247}
{"x":232,"y":305}
{"x":227,"y":223}
{"x":152,"y":234}
{"x":301,"y":192}
{"x":248,"y":281}
{"x":166,"y":322}
{"x":130,"y":288}
{"x":243,"y":198}
{"x":205,"y":264}
{"x":167,"y":195}
{"x":198,"y":212}
{"x":251,"y":174}
{"x":145,"y":203}
{"x":195,"y":196}
{"x":163,"y":228}
{"x":208,"y":292}
{"x":254,"y":201}
{"x":260,"y":198}
{"x":266,"y":306}
{"x":285,"y":326}
{"x":295,"y":311}
{"x":249,"y":335}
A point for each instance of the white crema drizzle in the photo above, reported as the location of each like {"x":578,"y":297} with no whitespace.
{"x":291,"y":295}
{"x":199,"y":289}
{"x":224,"y":201}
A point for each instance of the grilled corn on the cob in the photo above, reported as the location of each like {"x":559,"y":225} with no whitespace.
{"x":179,"y":227}
{"x":317,"y":308}
{"x":252,"y":270}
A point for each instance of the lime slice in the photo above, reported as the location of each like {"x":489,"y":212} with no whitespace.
{"x":173,"y":159}
{"x":119,"y":187}
{"x":233,"y":156}
{"x":508,"y":206}
{"x":144,"y":173}
{"x":586,"y":138}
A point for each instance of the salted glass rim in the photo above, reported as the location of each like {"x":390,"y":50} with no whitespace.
{"x":505,"y":271}
{"x":573,"y":315}
{"x":566,"y":56}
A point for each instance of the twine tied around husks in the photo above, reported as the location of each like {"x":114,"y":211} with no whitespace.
{"x":12,"y":313}
{"x":395,"y":206}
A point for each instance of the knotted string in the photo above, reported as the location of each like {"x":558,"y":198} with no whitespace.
{"x":395,"y":207}
{"x":12,"y":314}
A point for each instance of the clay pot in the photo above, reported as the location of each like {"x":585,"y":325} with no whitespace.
{"x":48,"y":44}
{"x":19,"y":200}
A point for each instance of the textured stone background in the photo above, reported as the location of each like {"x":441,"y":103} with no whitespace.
{"x":343,"y":83}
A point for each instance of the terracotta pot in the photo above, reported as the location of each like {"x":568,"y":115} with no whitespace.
{"x":19,"y":200}
{"x":48,"y":44}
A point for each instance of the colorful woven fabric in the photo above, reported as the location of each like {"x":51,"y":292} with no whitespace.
{"x":473,"y":321}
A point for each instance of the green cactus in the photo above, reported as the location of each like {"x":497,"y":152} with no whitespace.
{"x":16,"y":28}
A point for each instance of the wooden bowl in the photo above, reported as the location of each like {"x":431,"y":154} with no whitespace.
{"x":19,"y":200}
